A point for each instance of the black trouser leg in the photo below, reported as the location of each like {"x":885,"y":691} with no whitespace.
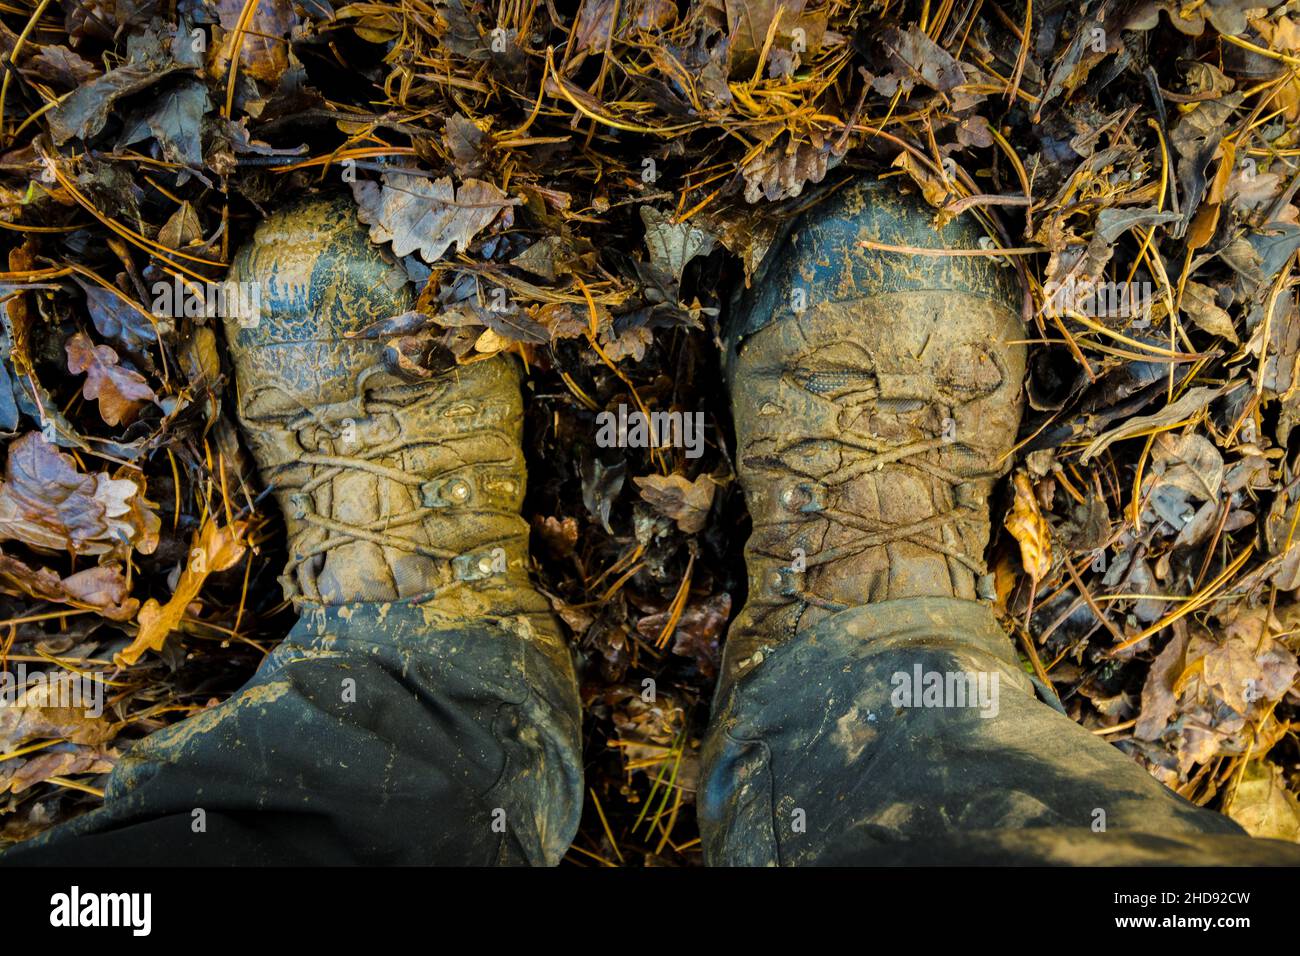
{"x":836,"y":749}
{"x":368,"y":736}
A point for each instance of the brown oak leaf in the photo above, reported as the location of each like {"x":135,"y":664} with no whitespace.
{"x":103,"y":588}
{"x":120,"y":391}
{"x":427,"y":216}
{"x":674,"y":496}
{"x":1026,"y":524}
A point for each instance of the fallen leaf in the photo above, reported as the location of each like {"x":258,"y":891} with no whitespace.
{"x":698,"y":633}
{"x":675,"y":496}
{"x":182,"y":228}
{"x":1199,"y":305}
{"x":933,"y":188}
{"x":1263,"y":806}
{"x":40,"y":710}
{"x":212,"y":549}
{"x":83,"y":113}
{"x":1192,"y":402}
{"x":119,"y":319}
{"x":59,"y":761}
{"x":427,"y":216}
{"x":58,"y":65}
{"x":176,"y":122}
{"x":560,"y":536}
{"x":750,"y":21}
{"x":262,"y":51}
{"x":782,"y":170}
{"x":120,"y":391}
{"x":1190,"y":462}
{"x":48,"y":504}
{"x":646,"y":728}
{"x":595,"y":23}
{"x":1026,"y":524}
{"x":1243,"y":664}
{"x":632,"y":342}
{"x":919,"y":60}
{"x":103,"y":587}
{"x":1159,"y":701}
{"x":673,"y":245}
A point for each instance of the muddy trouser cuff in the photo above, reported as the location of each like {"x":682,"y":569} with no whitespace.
{"x":905,"y":733}
{"x":368,"y":736}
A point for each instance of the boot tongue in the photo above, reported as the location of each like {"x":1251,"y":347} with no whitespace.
{"x":906,"y":392}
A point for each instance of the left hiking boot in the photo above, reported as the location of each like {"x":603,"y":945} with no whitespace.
{"x":395,"y":485}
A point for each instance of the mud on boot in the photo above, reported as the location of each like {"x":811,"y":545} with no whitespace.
{"x":393,"y":490}
{"x":876,"y":398}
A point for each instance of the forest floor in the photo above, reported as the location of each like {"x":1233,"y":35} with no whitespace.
{"x":636,"y":159}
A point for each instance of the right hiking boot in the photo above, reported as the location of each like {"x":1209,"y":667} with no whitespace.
{"x":871,"y":709}
{"x":876,"y":398}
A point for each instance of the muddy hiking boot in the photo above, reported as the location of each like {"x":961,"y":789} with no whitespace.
{"x":870,"y":708}
{"x":876,"y":400}
{"x":393,"y":489}
{"x":401,"y":494}
{"x":423,"y":709}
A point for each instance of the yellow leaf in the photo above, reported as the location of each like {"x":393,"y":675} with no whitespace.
{"x":490,"y":342}
{"x":1263,"y":805}
{"x":212,"y":549}
{"x":1027,"y":526}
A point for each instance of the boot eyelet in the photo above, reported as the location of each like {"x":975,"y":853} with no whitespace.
{"x":784,"y":582}
{"x":500,"y":487}
{"x":448,"y":494}
{"x":472,"y":567}
{"x":805,"y":497}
